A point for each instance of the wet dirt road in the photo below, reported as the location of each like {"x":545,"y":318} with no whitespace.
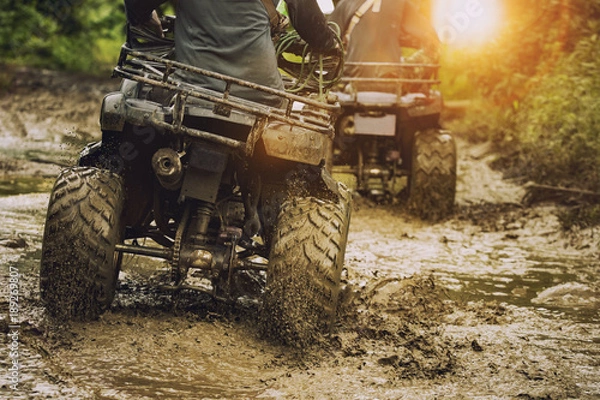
{"x":495,"y":302}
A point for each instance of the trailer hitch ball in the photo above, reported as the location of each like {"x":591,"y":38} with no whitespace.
{"x":168,"y":169}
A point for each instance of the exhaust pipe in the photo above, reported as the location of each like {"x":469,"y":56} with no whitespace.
{"x":168,"y":169}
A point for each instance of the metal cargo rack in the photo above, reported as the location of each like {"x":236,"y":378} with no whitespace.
{"x":403,"y":98}
{"x":296,"y":111}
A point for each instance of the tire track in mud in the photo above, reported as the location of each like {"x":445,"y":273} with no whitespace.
{"x":401,"y":334}
{"x":430,"y":310}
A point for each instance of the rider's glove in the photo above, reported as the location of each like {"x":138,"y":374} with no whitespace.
{"x":153,"y":24}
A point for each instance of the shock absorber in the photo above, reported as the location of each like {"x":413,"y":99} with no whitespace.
{"x":200,"y":221}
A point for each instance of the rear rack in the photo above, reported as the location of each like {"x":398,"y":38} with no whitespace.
{"x":407,"y":91}
{"x":401,"y":68}
{"x":139,"y":66}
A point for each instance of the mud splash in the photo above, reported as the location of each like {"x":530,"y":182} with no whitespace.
{"x":414,"y":324}
{"x":495,"y":302}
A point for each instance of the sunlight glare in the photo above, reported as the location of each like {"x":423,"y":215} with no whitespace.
{"x":467,"y":22}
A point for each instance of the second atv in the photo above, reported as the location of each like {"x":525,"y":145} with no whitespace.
{"x":391,"y":142}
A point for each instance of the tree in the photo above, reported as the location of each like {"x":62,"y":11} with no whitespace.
{"x":60,"y":34}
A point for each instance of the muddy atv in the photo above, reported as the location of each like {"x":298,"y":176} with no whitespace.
{"x":219,"y":187}
{"x":390,"y":143}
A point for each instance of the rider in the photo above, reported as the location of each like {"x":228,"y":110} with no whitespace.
{"x":377,"y":30}
{"x":233,"y":37}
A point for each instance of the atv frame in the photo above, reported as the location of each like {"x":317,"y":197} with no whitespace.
{"x":390,"y":141}
{"x":223,"y":186}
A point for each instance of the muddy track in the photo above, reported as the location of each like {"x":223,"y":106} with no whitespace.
{"x":494,"y":302}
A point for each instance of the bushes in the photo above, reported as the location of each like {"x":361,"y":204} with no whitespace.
{"x":538,"y":92}
{"x":61,"y":34}
{"x":559,"y":121}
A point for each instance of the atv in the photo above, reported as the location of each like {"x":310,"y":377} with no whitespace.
{"x":390,"y":142}
{"x":217,"y":186}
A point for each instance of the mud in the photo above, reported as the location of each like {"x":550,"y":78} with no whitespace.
{"x":495,"y":302}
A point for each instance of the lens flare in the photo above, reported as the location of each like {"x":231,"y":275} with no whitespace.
{"x":467,"y":22}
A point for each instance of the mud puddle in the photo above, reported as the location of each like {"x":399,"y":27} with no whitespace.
{"x":10,"y":186}
{"x":457,"y":309}
{"x":553,"y":294}
{"x":485,"y":305}
{"x":165,"y":356}
{"x":478,"y":263}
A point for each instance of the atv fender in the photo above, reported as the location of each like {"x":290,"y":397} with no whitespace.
{"x":112,"y":115}
{"x":113,"y":112}
{"x":294,"y":143}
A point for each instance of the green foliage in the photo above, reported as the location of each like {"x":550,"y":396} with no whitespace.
{"x":559,"y":120}
{"x":61,"y":34}
{"x":535,"y":37}
{"x":538,"y":91}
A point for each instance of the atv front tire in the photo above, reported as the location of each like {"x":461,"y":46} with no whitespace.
{"x":79,"y":267}
{"x":432,"y":182}
{"x":305,"y":266}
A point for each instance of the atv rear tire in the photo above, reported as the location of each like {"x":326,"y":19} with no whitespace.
{"x":305,"y":266}
{"x":432,"y":183}
{"x":79,"y":267}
